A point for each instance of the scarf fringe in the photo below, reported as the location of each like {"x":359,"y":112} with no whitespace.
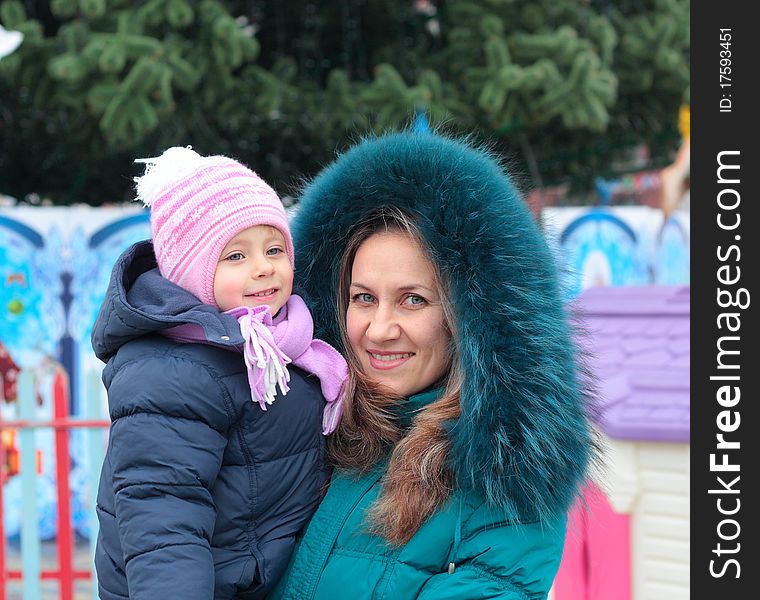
{"x":266,"y":363}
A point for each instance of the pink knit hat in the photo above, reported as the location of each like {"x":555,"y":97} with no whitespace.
{"x":197,"y":205}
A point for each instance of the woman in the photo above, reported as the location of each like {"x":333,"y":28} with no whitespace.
{"x":465,"y":435}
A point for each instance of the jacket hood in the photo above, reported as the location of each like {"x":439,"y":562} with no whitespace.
{"x":523,"y":438}
{"x":139,"y":301}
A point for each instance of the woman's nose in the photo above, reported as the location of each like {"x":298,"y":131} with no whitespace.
{"x":383,"y":325}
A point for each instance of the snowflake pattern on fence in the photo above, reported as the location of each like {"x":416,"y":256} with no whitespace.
{"x":599,"y":249}
{"x":92,"y":260}
{"x":30,"y":294}
{"x":672,"y":261}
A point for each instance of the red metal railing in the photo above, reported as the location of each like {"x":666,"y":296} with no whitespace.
{"x":61,"y":423}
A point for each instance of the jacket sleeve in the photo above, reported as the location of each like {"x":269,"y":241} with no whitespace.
{"x":168,"y":435}
{"x":499,"y":560}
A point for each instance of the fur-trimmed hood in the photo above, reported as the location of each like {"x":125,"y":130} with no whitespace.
{"x":523,"y":438}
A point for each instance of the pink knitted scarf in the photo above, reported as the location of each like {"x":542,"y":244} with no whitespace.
{"x":272,"y":344}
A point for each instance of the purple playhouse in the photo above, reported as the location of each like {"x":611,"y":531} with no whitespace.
{"x":632,"y":542}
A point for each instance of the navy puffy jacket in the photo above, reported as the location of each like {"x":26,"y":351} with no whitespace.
{"x":201,"y":493}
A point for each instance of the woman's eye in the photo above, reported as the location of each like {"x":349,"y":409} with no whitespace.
{"x":362,"y":297}
{"x":414,"y":300}
{"x":274,"y":251}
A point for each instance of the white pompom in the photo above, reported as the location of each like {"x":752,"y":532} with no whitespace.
{"x":9,"y":41}
{"x":162,"y":171}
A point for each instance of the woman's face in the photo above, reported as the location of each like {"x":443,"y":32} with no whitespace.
{"x":394,"y":319}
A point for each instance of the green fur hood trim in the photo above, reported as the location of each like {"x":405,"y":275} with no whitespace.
{"x":523,"y":439}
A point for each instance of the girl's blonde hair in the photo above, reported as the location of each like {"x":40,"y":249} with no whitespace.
{"x":418,"y":479}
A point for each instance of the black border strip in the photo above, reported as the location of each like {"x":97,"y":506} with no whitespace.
{"x":713,"y":132}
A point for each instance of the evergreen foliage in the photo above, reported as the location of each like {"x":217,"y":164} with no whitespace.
{"x":566,"y":89}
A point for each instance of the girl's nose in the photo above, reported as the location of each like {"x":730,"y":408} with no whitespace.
{"x":262,"y":268}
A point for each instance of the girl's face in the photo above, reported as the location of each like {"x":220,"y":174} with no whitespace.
{"x":395,"y":321}
{"x":253,"y":270}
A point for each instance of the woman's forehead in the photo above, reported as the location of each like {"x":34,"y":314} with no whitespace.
{"x":392,"y":258}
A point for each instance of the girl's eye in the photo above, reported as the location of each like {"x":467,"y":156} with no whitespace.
{"x":363,"y":298}
{"x":274,"y":251}
{"x":414,"y":300}
{"x":236,"y":256}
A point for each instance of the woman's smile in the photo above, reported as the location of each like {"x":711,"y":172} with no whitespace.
{"x":384,"y":360}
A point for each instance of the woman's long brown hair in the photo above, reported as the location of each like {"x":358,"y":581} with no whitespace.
{"x":418,"y":479}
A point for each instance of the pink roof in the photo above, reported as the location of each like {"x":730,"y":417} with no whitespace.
{"x":637,"y":339}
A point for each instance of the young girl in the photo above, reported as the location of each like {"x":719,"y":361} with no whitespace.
{"x":216,"y":391}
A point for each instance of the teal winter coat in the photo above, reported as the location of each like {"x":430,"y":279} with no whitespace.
{"x":520,"y":448}
{"x":467,"y":550}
